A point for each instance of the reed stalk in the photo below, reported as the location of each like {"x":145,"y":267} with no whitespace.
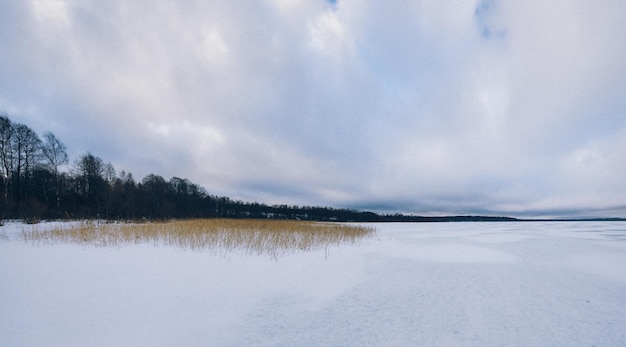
{"x":272,"y":237}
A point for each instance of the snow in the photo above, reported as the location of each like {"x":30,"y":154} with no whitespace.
{"x":412,"y":284}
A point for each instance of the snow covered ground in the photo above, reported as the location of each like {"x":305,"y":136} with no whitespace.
{"x":441,"y":284}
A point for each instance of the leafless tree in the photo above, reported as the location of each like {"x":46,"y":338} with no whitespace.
{"x":26,"y":147}
{"x":91,"y":171}
{"x":54,"y":152}
{"x":6,"y":153}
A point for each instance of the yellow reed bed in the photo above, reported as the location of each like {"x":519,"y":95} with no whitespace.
{"x":252,"y":236}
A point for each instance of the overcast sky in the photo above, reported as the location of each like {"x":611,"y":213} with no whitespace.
{"x":427,"y":107}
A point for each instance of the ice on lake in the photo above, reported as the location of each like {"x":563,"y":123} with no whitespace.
{"x":412,"y":284}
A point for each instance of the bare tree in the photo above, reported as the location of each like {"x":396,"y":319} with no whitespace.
{"x":54,"y":152}
{"x":26,"y":147}
{"x":92,"y":185}
{"x":6,"y":154}
{"x":109,"y":173}
{"x":91,"y":170}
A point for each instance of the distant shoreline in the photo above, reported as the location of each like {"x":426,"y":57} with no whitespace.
{"x":375,"y":218}
{"x":452,"y":219}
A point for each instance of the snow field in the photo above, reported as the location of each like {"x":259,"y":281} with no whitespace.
{"x":429,"y":284}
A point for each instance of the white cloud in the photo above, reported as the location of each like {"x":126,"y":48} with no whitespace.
{"x":431,"y":106}
{"x":596,"y":166}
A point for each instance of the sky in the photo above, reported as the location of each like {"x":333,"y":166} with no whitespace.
{"x":427,"y":107}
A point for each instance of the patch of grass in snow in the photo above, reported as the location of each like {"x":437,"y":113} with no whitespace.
{"x":273,"y":237}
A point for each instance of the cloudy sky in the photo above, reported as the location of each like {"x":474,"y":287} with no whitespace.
{"x":428,"y":107}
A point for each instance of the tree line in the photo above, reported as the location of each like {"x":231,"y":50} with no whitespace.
{"x":38,"y":181}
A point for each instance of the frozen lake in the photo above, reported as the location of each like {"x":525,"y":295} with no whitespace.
{"x":412,"y":284}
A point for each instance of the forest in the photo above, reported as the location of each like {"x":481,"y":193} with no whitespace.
{"x":39,"y":181}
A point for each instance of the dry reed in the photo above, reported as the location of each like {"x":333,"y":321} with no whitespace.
{"x":272,"y":237}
